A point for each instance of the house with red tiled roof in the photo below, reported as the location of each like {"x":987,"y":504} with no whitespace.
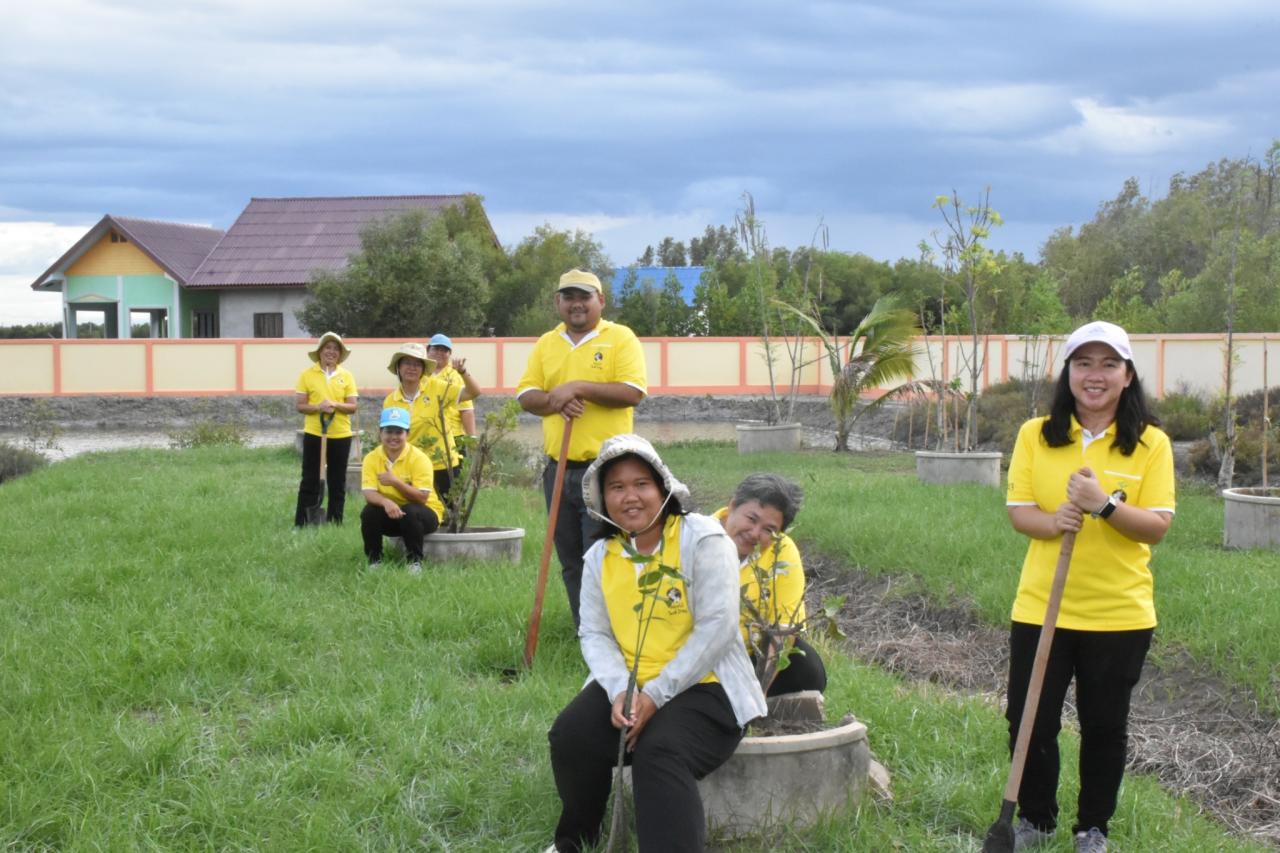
{"x":247,"y":282}
{"x":124,"y":266}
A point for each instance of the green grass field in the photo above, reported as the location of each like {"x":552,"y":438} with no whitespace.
{"x":178,"y":671}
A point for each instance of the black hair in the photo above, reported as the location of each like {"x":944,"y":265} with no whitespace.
{"x":773,"y":491}
{"x":670,"y":508}
{"x":1132,"y":414}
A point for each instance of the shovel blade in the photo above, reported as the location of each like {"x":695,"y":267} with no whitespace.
{"x":315,"y":513}
{"x":1000,"y":834}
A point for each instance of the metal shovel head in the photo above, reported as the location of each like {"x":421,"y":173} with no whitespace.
{"x":315,"y":513}
{"x":1000,"y":834}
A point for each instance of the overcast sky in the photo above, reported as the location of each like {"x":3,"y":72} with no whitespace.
{"x":633,"y":121}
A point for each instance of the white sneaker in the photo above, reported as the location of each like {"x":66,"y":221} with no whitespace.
{"x":1027,"y":836}
{"x":1092,"y":841}
{"x":415,"y":568}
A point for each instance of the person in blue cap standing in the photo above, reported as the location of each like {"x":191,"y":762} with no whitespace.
{"x":459,"y":414}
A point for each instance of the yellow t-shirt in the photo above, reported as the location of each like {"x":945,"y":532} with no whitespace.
{"x":453,"y":411}
{"x":337,"y":387}
{"x":425,"y":431}
{"x":669,"y":619}
{"x":782,"y":600}
{"x":1109,"y":586}
{"x":610,"y":353}
{"x":412,"y":467}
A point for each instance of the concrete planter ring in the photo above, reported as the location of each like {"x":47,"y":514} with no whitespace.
{"x":482,"y":544}
{"x":789,"y":779}
{"x":768,"y":438}
{"x":942,"y":468}
{"x":1251,"y":518}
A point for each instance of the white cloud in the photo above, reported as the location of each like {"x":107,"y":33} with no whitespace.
{"x":1121,"y":130}
{"x":19,"y":304}
{"x":27,"y":248}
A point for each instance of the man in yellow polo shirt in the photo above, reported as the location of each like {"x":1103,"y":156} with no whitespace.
{"x":589,"y":370}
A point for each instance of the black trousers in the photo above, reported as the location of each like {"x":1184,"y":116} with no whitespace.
{"x":804,"y":672}
{"x":418,"y":523}
{"x":442,"y":481}
{"x":575,"y":529}
{"x":1106,"y":666}
{"x":335,"y":476}
{"x":685,"y":740}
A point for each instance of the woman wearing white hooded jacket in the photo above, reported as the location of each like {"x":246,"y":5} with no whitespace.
{"x":695,"y":688}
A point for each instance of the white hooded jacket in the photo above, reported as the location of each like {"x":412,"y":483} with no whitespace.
{"x":709,"y":563}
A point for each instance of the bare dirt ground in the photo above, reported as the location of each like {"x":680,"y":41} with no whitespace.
{"x":1198,"y":735}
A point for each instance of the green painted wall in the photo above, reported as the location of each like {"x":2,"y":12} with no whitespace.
{"x":80,"y":286}
{"x":149,"y":290}
{"x":194,"y":300}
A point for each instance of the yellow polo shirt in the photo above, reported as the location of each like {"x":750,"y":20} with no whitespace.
{"x":412,"y":467}
{"x":782,"y":600}
{"x":337,"y":387}
{"x":609,"y":353}
{"x":670,"y":622}
{"x":453,"y":411}
{"x":425,"y":430}
{"x":1109,"y":586}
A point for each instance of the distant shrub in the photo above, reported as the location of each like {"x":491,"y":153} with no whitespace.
{"x":1185,"y":415}
{"x":17,"y":461}
{"x":1002,"y":409}
{"x":513,"y":464}
{"x":209,"y":433}
{"x":1205,"y":460}
{"x":1249,"y":409}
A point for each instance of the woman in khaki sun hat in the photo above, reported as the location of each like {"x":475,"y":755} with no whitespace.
{"x":326,"y":393}
{"x":428,"y":400}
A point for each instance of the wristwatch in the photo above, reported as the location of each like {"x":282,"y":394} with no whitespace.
{"x":1113,"y":500}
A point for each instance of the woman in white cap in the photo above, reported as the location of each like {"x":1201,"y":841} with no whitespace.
{"x":694,"y":690}
{"x":396,"y":481}
{"x":1097,"y":466}
{"x":326,"y":393}
{"x":427,"y":398}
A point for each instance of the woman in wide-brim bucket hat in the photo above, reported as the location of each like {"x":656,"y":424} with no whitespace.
{"x":428,"y":397}
{"x":326,"y":393}
{"x":343,"y":351}
{"x":695,"y":689}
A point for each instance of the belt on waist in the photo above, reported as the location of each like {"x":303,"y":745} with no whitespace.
{"x":572,"y":464}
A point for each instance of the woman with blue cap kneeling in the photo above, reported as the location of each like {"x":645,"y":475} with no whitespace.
{"x":396,"y":481}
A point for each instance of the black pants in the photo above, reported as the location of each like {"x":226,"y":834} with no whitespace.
{"x":1106,"y":666}
{"x":575,"y":529}
{"x":442,"y":481}
{"x":804,"y":672}
{"x":335,"y":476}
{"x":685,"y":740}
{"x":418,"y":523}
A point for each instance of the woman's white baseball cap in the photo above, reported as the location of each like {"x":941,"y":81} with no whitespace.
{"x":1099,"y":332}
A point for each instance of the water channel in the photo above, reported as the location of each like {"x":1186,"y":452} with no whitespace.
{"x":69,"y":443}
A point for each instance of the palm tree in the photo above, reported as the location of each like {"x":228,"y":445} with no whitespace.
{"x":888,"y":333}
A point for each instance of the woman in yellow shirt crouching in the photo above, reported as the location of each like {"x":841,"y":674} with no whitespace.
{"x":772,"y":576}
{"x":396,"y":481}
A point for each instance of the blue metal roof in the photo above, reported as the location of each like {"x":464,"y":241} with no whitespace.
{"x":687,"y":276}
